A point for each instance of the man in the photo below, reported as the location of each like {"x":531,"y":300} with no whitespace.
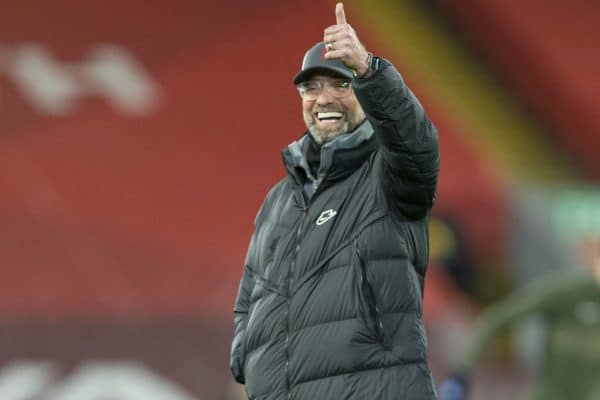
{"x":329,"y":305}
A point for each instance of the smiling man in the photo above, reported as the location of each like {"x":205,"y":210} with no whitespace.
{"x":329,"y":106}
{"x":330,"y":301}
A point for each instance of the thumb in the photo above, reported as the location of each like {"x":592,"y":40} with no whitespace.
{"x":340,"y":17}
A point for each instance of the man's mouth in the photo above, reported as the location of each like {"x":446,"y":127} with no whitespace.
{"x":329,"y":117}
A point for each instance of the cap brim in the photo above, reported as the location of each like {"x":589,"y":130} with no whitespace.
{"x":305,"y":75}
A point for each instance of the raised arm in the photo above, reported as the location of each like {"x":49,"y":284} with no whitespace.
{"x":407,"y":137}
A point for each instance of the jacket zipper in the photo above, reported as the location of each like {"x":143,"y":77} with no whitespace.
{"x":367,"y":290}
{"x":288,"y":299}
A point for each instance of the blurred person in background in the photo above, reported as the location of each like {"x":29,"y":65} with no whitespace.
{"x":568,"y":303}
{"x":450,"y":300}
{"x":330,"y":302}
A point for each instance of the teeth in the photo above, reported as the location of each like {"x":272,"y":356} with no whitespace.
{"x":326,"y":115}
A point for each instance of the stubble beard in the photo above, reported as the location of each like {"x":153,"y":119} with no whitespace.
{"x":323,"y":136}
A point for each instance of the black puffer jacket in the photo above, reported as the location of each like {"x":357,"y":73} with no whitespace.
{"x":330,"y":303}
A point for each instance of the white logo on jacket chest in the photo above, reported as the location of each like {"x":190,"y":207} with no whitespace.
{"x":326,"y":216}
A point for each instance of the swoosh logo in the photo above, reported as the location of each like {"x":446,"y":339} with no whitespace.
{"x":326,"y":216}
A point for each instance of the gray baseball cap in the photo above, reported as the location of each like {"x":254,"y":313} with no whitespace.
{"x":315,"y":62}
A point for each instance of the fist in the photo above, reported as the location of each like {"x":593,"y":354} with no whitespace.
{"x":342,"y":43}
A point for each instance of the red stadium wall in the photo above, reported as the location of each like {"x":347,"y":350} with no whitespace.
{"x":549,"y":50}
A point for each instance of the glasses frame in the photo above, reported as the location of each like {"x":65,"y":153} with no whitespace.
{"x":331,"y":88}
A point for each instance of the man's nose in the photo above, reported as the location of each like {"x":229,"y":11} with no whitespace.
{"x":325,"y":96}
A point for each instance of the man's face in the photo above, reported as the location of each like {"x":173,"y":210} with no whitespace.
{"x":329,"y":107}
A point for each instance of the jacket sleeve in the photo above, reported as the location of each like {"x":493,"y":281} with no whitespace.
{"x":408,"y":140}
{"x":240,"y":319}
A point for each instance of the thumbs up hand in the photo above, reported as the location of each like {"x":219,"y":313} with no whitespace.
{"x":342,"y":43}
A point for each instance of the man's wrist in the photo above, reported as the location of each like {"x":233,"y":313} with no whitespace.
{"x":372,"y":63}
{"x":361,"y":72}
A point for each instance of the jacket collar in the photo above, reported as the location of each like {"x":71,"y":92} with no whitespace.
{"x":339,"y":158}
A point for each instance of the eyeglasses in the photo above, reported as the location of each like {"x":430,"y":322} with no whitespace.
{"x":338,"y":88}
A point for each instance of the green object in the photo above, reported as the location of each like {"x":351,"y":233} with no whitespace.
{"x":569,"y":305}
{"x":576,"y":212}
